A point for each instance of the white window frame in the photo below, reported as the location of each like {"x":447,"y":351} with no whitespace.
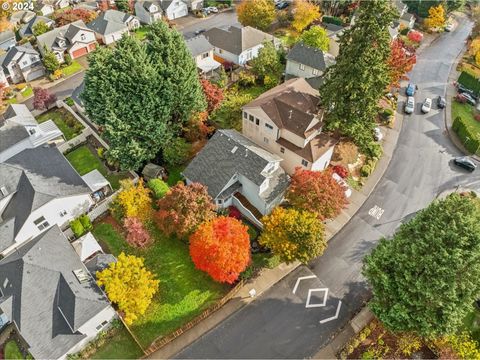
{"x":302,"y":67}
{"x":304,"y":162}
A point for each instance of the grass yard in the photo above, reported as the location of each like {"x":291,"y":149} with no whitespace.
{"x":174,"y":174}
{"x":184,"y":291}
{"x":27,"y":92}
{"x":141,"y":33}
{"x":65,"y":121}
{"x":11,"y":101}
{"x":12,"y":351}
{"x":288,"y":36}
{"x":472,"y":126}
{"x":84,"y":161}
{"x":122,"y":347}
{"x":71,"y":69}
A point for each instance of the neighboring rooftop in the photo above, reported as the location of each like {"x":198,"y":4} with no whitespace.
{"x":44,"y":297}
{"x":198,"y":45}
{"x":6,"y":36}
{"x":13,"y":51}
{"x":65,"y":32}
{"x":27,"y":29}
{"x":109,"y":22}
{"x":310,"y":56}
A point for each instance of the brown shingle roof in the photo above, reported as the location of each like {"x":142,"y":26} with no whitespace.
{"x":314,"y":149}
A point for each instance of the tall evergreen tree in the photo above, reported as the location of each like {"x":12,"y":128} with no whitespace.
{"x":356,"y":82}
{"x":142,"y":94}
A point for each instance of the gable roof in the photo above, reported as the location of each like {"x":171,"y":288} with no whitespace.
{"x":308,"y":55}
{"x":43,"y":296}
{"x":27,"y":29}
{"x":5,"y":59}
{"x":292,"y":105}
{"x":66,"y":32}
{"x":109,"y":22}
{"x":237,"y":39}
{"x":228,"y":153}
{"x":12,"y":125}
{"x":198,"y":45}
{"x":7,"y":35}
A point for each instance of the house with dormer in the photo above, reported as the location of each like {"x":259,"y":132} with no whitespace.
{"x":22,"y":63}
{"x":237,"y":172}
{"x":75,"y":39}
{"x":148,"y":11}
{"x":288,"y":121}
{"x":111,"y":25}
{"x":174,"y":9}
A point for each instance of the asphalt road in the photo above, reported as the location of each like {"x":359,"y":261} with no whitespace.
{"x":278,"y":324}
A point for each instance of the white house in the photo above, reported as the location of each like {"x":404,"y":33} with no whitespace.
{"x":3,"y":78}
{"x":287,"y":121}
{"x":22,"y":64}
{"x":111,"y":25}
{"x":194,"y":4}
{"x":50,"y":297}
{"x":61,"y":4}
{"x":75,"y":39}
{"x":240,"y":173}
{"x":148,"y":11}
{"x":174,"y":9}
{"x":45,"y":9}
{"x":202,"y":53}
{"x":238,"y":44}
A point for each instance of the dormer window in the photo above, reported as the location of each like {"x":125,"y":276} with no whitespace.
{"x":32,"y":131}
{"x":83,"y":37}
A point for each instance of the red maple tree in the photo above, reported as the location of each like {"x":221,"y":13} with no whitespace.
{"x":221,"y":248}
{"x":42,"y":98}
{"x":317,"y":192}
{"x":3,"y":90}
{"x":415,"y":36}
{"x":401,"y":62}
{"x":137,"y":235}
{"x":213,"y":94}
{"x":183,"y":209}
{"x":68,"y":16}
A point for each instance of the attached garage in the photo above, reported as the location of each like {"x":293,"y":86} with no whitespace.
{"x":181,"y":12}
{"x":35,"y":74}
{"x":79,"y":52}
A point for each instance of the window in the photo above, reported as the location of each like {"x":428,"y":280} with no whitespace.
{"x":98,"y":327}
{"x":257,"y":121}
{"x":251,"y":117}
{"x":304,"y":162}
{"x":104,"y":323}
{"x":268,"y":126}
{"x":220,"y":51}
{"x":315,"y":72}
{"x":282,"y":150}
{"x":204,"y":55}
{"x":219,"y":201}
{"x":302,"y":67}
{"x":82,"y":36}
{"x":245,"y":116}
{"x":41,"y":223}
{"x":63,"y":213}
{"x":25,"y":62}
{"x":265,"y":140}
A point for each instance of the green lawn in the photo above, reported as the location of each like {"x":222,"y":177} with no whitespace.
{"x":472,"y":323}
{"x":174,"y":174}
{"x":12,"y":351}
{"x":27,"y":92}
{"x":184,"y":291}
{"x":65,"y":121}
{"x":12,"y":101}
{"x":84,"y":161}
{"x":71,"y":69}
{"x":472,"y":126}
{"x":287,"y":36}
{"x":122,"y":347}
{"x":141,"y":33}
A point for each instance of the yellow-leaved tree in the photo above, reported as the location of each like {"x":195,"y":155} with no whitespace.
{"x":257,"y":13}
{"x":293,"y":234}
{"x":6,"y":9}
{"x":474,"y":46}
{"x":129,"y":285}
{"x":436,"y":17}
{"x":133,"y":201}
{"x":304,"y":13}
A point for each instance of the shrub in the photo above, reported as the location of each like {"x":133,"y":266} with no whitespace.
{"x":415,"y":36}
{"x":246,"y":78}
{"x":341,"y":171}
{"x":77,"y":227}
{"x":69,"y":101}
{"x":460,"y":99}
{"x":101,"y":152}
{"x":477,"y":117}
{"x":234,"y":212}
{"x":86,"y":222}
{"x":159,"y":188}
{"x":467,"y":135}
{"x":21,"y":87}
{"x":366,"y":170}
{"x":332,"y":20}
{"x":404,"y":31}
{"x":68,"y":59}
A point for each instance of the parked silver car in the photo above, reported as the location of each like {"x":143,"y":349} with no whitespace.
{"x":410,"y":105}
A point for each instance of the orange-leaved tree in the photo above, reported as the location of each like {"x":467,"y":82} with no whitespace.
{"x":304,"y":13}
{"x":133,"y":201}
{"x":184,"y":208}
{"x":213,"y":94}
{"x":221,"y":248}
{"x":293,"y":234}
{"x":317,"y":192}
{"x":257,"y":13}
{"x":401,"y":62}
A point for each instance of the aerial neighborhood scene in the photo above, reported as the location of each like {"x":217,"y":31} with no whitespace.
{"x":239,"y":179}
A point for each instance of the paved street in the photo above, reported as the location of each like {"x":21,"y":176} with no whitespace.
{"x":284,"y":324}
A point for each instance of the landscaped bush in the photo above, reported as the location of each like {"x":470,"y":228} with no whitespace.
{"x":77,"y":227}
{"x":159,"y":188}
{"x":470,"y":82}
{"x":467,"y":135}
{"x":340,"y":171}
{"x":234,"y":212}
{"x":404,"y":31}
{"x":246,"y":78}
{"x":12,"y":351}
{"x":332,"y":20}
{"x":86,"y":222}
{"x":477,"y":117}
{"x":415,"y":36}
{"x":69,"y":101}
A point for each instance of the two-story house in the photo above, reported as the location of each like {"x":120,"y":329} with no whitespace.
{"x":194,"y":4}
{"x":22,"y":64}
{"x":75,"y":39}
{"x":307,"y":62}
{"x":7,"y":40}
{"x":174,"y":9}
{"x":202,"y":53}
{"x":238,"y":172}
{"x":148,"y":11}
{"x":238,"y":44}
{"x":27,"y":29}
{"x":287,"y":121}
{"x":405,"y":18}
{"x":111,"y":25}
{"x":51,"y":299}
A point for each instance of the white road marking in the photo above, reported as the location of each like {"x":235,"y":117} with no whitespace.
{"x":376,"y":212}
{"x":333,"y":317}
{"x":325,"y":295}
{"x":300,"y":279}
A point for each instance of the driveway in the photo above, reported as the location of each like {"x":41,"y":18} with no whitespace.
{"x":283,"y":323}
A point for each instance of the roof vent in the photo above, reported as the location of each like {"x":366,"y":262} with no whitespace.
{"x":235,"y":148}
{"x":81,"y":275}
{"x":4,"y":191}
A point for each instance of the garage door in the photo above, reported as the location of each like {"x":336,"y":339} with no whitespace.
{"x":79,"y":52}
{"x":180,"y":13}
{"x":35,"y":75}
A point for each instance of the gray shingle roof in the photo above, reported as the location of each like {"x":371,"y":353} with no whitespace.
{"x":6,"y":36}
{"x":27,"y":29}
{"x":228,"y":153}
{"x":237,"y":39}
{"x":67,"y":31}
{"x":109,"y":22}
{"x":99,"y":262}
{"x":27,"y":49}
{"x":44,"y":297}
{"x":198,"y":45}
{"x":10,"y":134}
{"x":307,"y":55}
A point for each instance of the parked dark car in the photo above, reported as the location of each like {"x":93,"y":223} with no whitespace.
{"x":463,"y":90}
{"x":468,"y":98}
{"x":441,"y":102}
{"x":199,"y":31}
{"x":465,"y":162}
{"x":410,"y":91}
{"x":282,"y":5}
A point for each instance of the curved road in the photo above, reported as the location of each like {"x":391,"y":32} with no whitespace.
{"x":279,"y":324}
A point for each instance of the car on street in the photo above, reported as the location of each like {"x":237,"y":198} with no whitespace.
{"x":343,"y":183}
{"x":282,"y":5}
{"x":377,"y":134}
{"x":463,"y":90}
{"x":441,"y":102}
{"x":465,"y":162}
{"x":468,"y":98}
{"x":427,"y":105}
{"x":199,"y":31}
{"x":212,"y":9}
{"x":450,"y":27}
{"x":410,"y":91}
{"x":410,"y":105}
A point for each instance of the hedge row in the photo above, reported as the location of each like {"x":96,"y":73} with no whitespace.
{"x":470,"y":82}
{"x":467,"y":134}
{"x":332,"y":20}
